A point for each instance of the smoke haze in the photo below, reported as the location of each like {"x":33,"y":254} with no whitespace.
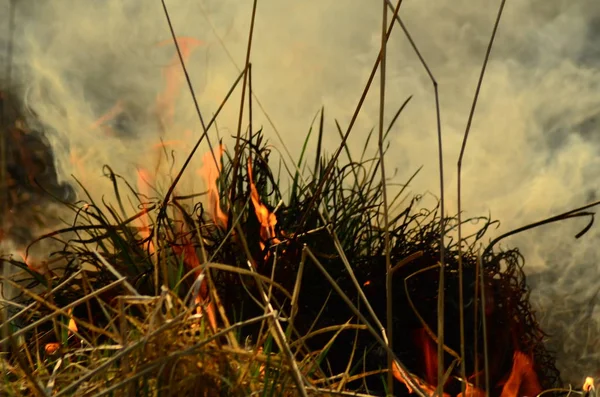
{"x":534,"y":145}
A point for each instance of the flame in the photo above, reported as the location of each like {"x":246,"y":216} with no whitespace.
{"x":32,"y":266}
{"x":429,"y":355}
{"x":588,"y":385}
{"x":72,"y":325}
{"x":267,"y":219}
{"x":51,"y":348}
{"x":522,"y":380}
{"x":174,"y":79}
{"x":399,"y":374}
{"x":472,"y":391}
{"x":144,"y":221}
{"x":113,"y":112}
{"x":185,"y":247}
{"x":165,"y":101}
{"x":210,"y":172}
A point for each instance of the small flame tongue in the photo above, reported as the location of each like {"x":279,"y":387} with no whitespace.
{"x":144,"y":220}
{"x":430,"y":355}
{"x":267,"y":219}
{"x":211,"y":168}
{"x":522,"y":380}
{"x":165,"y":102}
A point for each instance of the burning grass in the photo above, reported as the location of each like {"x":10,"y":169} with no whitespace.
{"x":271,"y":282}
{"x":220,"y":294}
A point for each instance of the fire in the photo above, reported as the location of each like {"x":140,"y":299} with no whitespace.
{"x":113,"y":112}
{"x":165,"y":101}
{"x":41,"y":269}
{"x":51,"y":348}
{"x":428,"y":389}
{"x":211,"y":168}
{"x":144,"y":220}
{"x":588,"y":385}
{"x":522,"y":380}
{"x":72,"y":325}
{"x":430,"y":355}
{"x":184,"y":247}
{"x":267,"y":219}
{"x":472,"y":391}
{"x":173,"y":77}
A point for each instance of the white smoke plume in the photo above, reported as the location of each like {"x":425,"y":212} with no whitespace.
{"x":534,"y":145}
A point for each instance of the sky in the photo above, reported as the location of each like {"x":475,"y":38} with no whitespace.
{"x":534,"y":145}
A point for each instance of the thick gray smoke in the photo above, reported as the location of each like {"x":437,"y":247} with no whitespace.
{"x":534,"y":146}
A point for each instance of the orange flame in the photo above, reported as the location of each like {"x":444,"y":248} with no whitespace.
{"x":72,"y":325}
{"x":165,"y":101}
{"x":523,"y":380}
{"x":173,"y":74}
{"x":267,"y":219}
{"x":36,"y":268}
{"x":51,"y":348}
{"x":429,"y":355}
{"x":398,"y":374}
{"x":472,"y":391}
{"x":113,"y":112}
{"x":144,"y":220}
{"x":210,"y":172}
{"x":185,"y":248}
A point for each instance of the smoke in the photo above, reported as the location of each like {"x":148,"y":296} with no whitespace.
{"x":532,"y":152}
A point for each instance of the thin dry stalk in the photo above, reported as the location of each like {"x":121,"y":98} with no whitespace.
{"x":486,"y":365}
{"x":346,"y":374}
{"x":463,"y":370}
{"x":441,"y":287}
{"x":388,"y":262}
{"x":237,"y":156}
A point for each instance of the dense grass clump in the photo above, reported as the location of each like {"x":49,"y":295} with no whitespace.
{"x":173,"y":298}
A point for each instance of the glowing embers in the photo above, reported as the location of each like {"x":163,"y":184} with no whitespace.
{"x":54,"y":347}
